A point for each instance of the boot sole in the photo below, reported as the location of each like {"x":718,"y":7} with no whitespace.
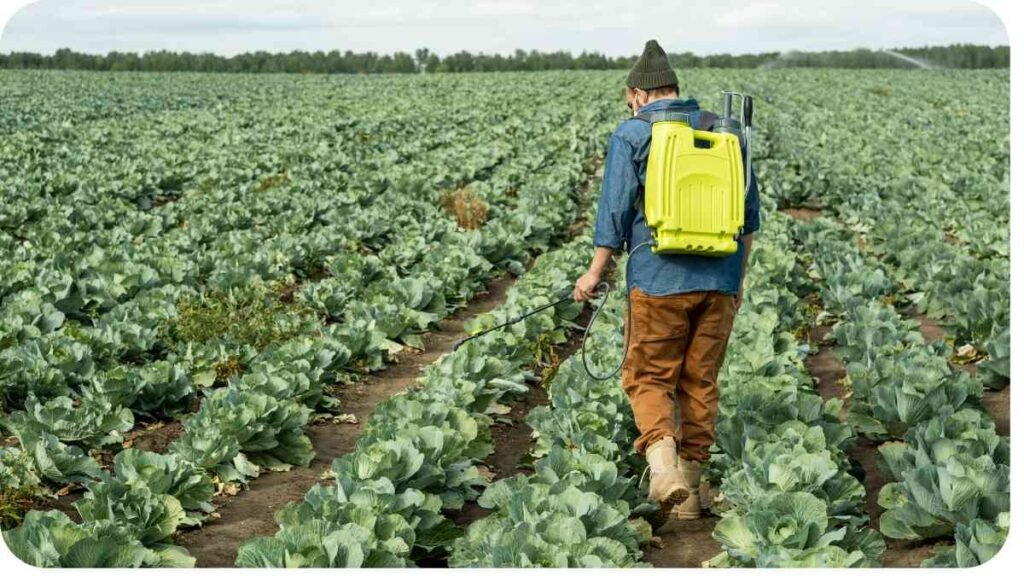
{"x":665,"y":506}
{"x":685,"y":516}
{"x":678,"y":512}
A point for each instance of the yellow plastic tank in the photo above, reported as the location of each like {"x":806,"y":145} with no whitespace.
{"x":694,"y":193}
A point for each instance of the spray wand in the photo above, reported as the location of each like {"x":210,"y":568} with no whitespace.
{"x":515,"y":320}
{"x":604,"y":289}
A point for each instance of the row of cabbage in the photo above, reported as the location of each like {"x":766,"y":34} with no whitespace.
{"x":582,"y":507}
{"x":420,"y":453}
{"x":778,"y":458}
{"x":950,"y":468}
{"x":58,"y":423}
{"x":111,"y":272}
{"x":85,"y":242}
{"x":781,"y":449}
{"x":256,"y":419}
{"x":918,"y":162}
{"x":75,"y":98}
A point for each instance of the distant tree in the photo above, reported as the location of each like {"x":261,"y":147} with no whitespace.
{"x":423,"y":60}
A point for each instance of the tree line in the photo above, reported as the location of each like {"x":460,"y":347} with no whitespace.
{"x":423,"y":60}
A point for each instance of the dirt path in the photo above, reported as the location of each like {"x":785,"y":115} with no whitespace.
{"x":683,"y":543}
{"x":513,"y":442}
{"x":827,"y":369}
{"x":864,"y":455}
{"x":829,"y":373}
{"x":251,"y":512}
{"x":803,"y":214}
{"x":513,"y":436}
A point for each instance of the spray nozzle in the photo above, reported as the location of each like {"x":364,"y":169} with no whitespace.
{"x":458,"y":343}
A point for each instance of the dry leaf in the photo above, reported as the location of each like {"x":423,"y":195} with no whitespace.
{"x":966,"y":351}
{"x":499,"y":409}
{"x":486,"y":472}
{"x":229,"y":489}
{"x":346,"y":419}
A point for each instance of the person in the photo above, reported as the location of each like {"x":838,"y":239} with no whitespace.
{"x":682,"y":305}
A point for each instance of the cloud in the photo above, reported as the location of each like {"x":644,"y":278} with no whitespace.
{"x":752,"y":15}
{"x":616,"y":27}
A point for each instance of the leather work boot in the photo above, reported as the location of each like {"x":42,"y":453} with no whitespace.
{"x":667,"y":487}
{"x":690,"y":508}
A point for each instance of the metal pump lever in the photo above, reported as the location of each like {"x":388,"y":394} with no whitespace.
{"x":742,"y":128}
{"x":748,"y":135}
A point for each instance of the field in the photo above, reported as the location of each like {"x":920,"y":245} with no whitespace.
{"x":228,"y":303}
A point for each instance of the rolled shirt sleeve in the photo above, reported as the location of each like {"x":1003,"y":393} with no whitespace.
{"x":620,"y":187}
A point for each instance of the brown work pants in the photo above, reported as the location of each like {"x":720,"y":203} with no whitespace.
{"x":675,"y":350}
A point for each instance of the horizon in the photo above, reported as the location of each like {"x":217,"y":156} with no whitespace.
{"x":735,"y":27}
{"x":511,"y":53}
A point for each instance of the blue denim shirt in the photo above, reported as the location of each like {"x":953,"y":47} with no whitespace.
{"x":619,"y":222}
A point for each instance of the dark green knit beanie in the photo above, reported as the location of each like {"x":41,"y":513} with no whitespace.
{"x":652,"y":69}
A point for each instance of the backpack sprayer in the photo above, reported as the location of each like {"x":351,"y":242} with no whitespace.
{"x":694,"y":198}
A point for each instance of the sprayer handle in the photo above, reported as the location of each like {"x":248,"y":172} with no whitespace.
{"x":748,"y":111}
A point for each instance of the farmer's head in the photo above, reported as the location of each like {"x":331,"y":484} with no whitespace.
{"x":651,"y":78}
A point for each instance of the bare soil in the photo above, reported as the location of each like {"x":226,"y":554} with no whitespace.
{"x":997,"y":403}
{"x":156,"y":437}
{"x":803,"y":214}
{"x":251,"y":513}
{"x":513,"y":442}
{"x":930,"y":329}
{"x":64,"y":502}
{"x":826,"y":368}
{"x":683,"y":543}
{"x":898,"y":553}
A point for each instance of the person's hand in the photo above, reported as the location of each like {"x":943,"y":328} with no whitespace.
{"x":586,"y":286}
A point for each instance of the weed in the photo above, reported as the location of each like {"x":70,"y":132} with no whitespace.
{"x":257,"y":317}
{"x":273,"y":181}
{"x":469,"y":209}
{"x":14,"y":502}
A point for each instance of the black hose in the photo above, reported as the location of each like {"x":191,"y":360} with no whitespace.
{"x":629,"y":323}
{"x":603,"y":287}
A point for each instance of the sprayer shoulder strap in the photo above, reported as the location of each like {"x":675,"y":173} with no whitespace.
{"x":704,"y":119}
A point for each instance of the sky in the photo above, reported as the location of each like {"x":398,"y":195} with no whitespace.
{"x":616,"y":28}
